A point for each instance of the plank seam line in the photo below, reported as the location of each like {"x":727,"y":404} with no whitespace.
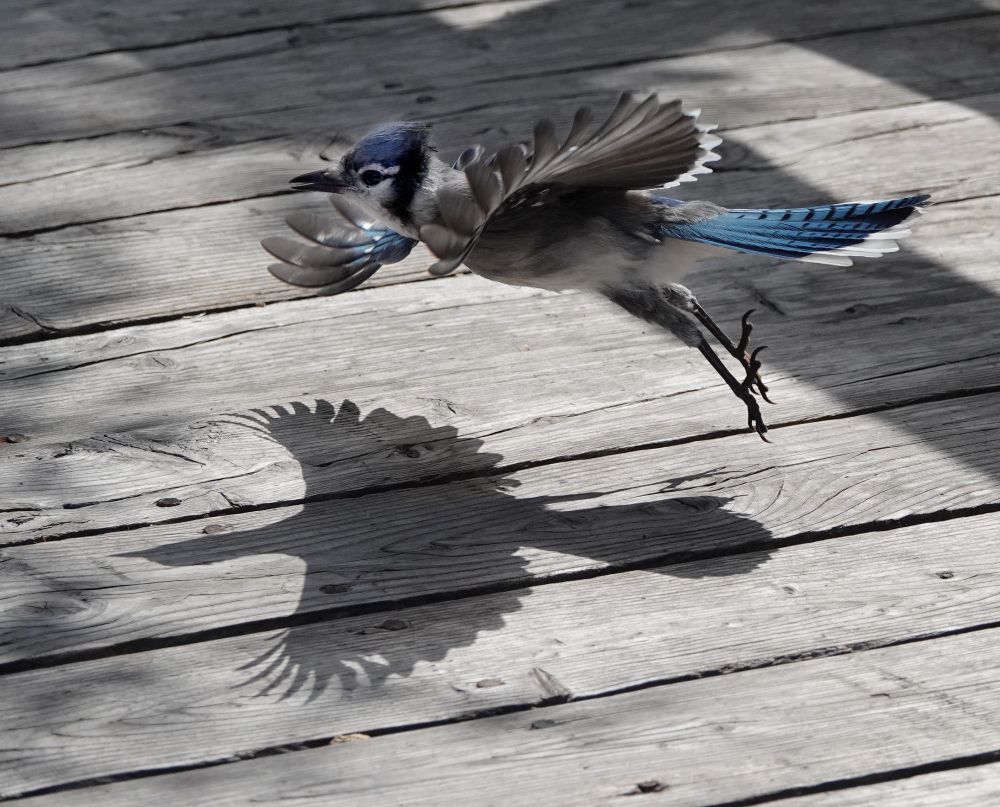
{"x":323,"y":318}
{"x":497,"y":470}
{"x":330,"y":614}
{"x":971,"y":760}
{"x":50,"y":332}
{"x":679,"y":54}
{"x":267,"y":29}
{"x":791,"y":40}
{"x":182,"y":149}
{"x":445,"y":116}
{"x":16,"y":235}
{"x":879,"y":777}
{"x":19,"y":235}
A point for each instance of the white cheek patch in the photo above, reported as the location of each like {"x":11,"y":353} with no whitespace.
{"x":389,"y":171}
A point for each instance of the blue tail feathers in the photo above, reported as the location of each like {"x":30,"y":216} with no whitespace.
{"x":824,"y":234}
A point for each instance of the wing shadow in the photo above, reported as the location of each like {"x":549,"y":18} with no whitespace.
{"x":440,"y":537}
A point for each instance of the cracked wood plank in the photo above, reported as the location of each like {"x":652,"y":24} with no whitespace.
{"x":738,"y":737}
{"x":517,"y":648}
{"x":205,"y":258}
{"x":130,"y":173}
{"x":119,"y":422}
{"x":722,"y":495}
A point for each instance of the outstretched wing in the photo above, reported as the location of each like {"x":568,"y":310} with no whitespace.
{"x":347,"y":249}
{"x":641,"y":145}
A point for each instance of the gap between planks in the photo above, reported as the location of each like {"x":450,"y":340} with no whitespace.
{"x":725,"y":616}
{"x":431,"y":541}
{"x":888,"y":709}
{"x":888,"y":364}
{"x":229,"y":166}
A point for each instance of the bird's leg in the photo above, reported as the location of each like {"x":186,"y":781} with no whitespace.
{"x":657,"y":305}
{"x":740,"y":389}
{"x":683,"y":298}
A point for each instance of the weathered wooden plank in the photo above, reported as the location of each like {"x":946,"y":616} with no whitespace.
{"x":66,"y":31}
{"x":115,"y":437}
{"x":159,"y":264}
{"x":41,"y":32}
{"x":285,"y":69}
{"x":728,"y":493}
{"x":977,"y":784}
{"x":210,"y":463}
{"x":730,"y":738}
{"x":497,"y":651}
{"x":56,"y":184}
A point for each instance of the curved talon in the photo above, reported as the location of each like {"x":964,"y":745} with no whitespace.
{"x":752,"y":383}
{"x":755,"y":420}
{"x":752,"y":366}
{"x":741,"y":346}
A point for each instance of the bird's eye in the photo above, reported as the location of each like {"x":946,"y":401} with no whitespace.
{"x":371,"y":177}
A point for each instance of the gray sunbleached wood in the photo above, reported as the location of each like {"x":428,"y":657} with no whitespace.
{"x":919,"y":459}
{"x":156,"y":390}
{"x":667,"y":622}
{"x":761,"y":732}
{"x":975,"y":784}
{"x":71,"y":29}
{"x":722,"y":494}
{"x":200,"y":259}
{"x":67,"y":29}
{"x":210,"y":161}
{"x":287,"y":69}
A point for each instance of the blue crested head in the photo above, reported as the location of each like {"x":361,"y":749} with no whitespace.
{"x":382,"y":173}
{"x":391,"y":145}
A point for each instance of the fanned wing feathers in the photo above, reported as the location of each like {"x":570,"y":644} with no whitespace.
{"x":641,"y":145}
{"x":347,"y":250}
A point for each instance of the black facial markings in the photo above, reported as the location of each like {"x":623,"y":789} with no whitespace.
{"x":412,"y":170}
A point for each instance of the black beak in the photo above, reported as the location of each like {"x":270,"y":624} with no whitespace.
{"x":327,"y":181}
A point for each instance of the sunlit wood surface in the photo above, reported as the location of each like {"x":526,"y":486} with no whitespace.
{"x":445,"y":542}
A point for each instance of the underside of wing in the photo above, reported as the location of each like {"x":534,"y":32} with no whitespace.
{"x":343,"y":250}
{"x":641,"y":145}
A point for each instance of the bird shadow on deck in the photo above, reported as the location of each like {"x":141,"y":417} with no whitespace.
{"x":348,"y":548}
{"x":434,"y":540}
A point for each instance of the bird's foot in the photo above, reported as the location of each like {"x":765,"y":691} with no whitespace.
{"x":746,"y":389}
{"x":753,"y":381}
{"x":738,"y":351}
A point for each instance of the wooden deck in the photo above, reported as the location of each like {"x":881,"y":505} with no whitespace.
{"x":442,"y":542}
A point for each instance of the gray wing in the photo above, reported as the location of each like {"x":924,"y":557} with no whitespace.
{"x":346,"y":249}
{"x":641,"y":145}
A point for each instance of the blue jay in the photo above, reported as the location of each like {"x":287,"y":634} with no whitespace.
{"x":586,"y":213}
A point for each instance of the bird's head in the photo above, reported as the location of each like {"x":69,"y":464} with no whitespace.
{"x":384,"y":170}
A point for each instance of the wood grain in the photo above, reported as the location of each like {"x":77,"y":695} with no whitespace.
{"x":569,"y":517}
{"x":118,"y":422}
{"x":977,"y":784}
{"x":289,"y":520}
{"x":135,"y":172}
{"x":441,"y":661}
{"x":764,"y":731}
{"x":204,"y":258}
{"x":274,"y":68}
{"x":65,"y":30}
